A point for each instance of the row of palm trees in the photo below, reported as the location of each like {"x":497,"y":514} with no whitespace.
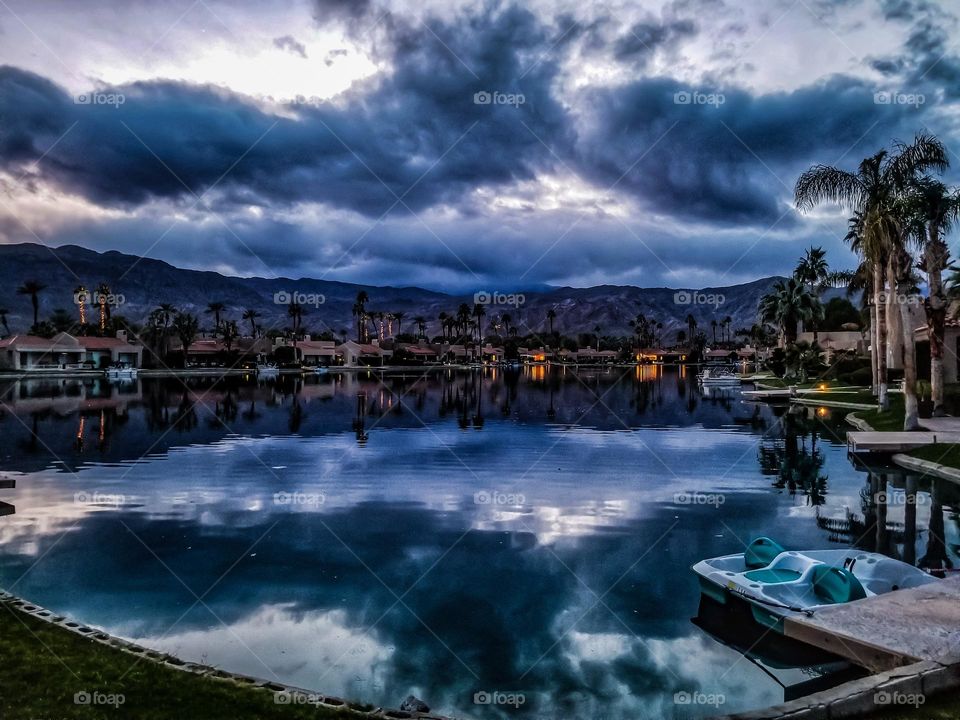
{"x":900,"y":212}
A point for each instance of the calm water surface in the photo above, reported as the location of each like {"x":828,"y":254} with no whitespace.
{"x":372,"y":537}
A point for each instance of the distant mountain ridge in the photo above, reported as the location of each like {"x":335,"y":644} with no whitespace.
{"x":145,"y":283}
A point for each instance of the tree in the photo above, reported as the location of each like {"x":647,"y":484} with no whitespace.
{"x":442,"y":317}
{"x":360,"y":313}
{"x":80,"y":295}
{"x":937,"y":210}
{"x":3,"y":320}
{"x":713,"y":324}
{"x":551,"y":316}
{"x":399,"y":316}
{"x":421,"y":322}
{"x":216,"y":308}
{"x":230,"y":333}
{"x":186,"y":326}
{"x":479,"y":312}
{"x":295,"y":311}
{"x":786,"y":305}
{"x":33,"y":288}
{"x":681,"y":337}
{"x":871,"y":193}
{"x":251,"y":315}
{"x":104,"y":298}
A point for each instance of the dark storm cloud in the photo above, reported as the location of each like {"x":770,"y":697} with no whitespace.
{"x":170,"y":139}
{"x":725,"y":155}
{"x":291,"y":44}
{"x":644,"y":38}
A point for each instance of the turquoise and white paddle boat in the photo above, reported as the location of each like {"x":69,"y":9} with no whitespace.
{"x":778,"y":583}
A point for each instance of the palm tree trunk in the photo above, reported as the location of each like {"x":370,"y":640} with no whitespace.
{"x":882,"y":399}
{"x":894,"y":331}
{"x":936,"y":311}
{"x":874,"y":375}
{"x":911,"y":415}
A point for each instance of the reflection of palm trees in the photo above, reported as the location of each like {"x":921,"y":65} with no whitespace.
{"x":936,"y":556}
{"x":360,"y":419}
{"x":797,"y":468}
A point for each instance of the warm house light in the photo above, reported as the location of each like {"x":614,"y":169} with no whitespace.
{"x":822,"y":412}
{"x":823,"y":386}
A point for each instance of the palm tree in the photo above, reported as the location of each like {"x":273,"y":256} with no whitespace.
{"x":681,"y":337}
{"x":813,"y":270}
{"x":3,"y":320}
{"x":103,"y":301}
{"x":251,"y":315}
{"x":463,"y":318}
{"x":691,"y":326}
{"x":713,"y":324}
{"x":33,"y":288}
{"x":360,"y":313}
{"x":186,"y":326}
{"x":596,"y":332}
{"x":937,"y":209}
{"x":479,"y":312}
{"x":295,"y":311}
{"x":216,"y":308}
{"x":80,"y":294}
{"x":871,"y":193}
{"x":421,"y":322}
{"x":442,"y":317}
{"x":551,"y":316}
{"x":786,"y":305}
{"x":398,"y":316}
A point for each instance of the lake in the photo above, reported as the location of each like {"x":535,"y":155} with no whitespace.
{"x":499,"y":543}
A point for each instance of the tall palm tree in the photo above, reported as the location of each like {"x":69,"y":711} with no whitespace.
{"x":3,"y":320}
{"x":596,"y":332}
{"x":399,"y":316}
{"x":295,"y":311}
{"x":216,"y":308}
{"x":786,"y":305}
{"x":186,"y":326}
{"x":80,"y":293}
{"x":713,"y":324}
{"x":33,"y":288}
{"x":551,"y":316}
{"x":691,"y":326}
{"x":872,"y":192}
{"x":936,"y":209}
{"x":727,"y":322}
{"x":104,"y":295}
{"x":421,"y":322}
{"x":479,"y":312}
{"x":360,"y":313}
{"x":442,"y":317}
{"x":251,"y":315}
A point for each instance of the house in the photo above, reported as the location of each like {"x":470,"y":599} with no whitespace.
{"x":421,"y":352}
{"x":719,"y":355}
{"x":834,"y":340}
{"x":212,"y":352}
{"x":661,"y":356}
{"x":596,"y":357}
{"x":317,"y":353}
{"x":354,"y":354}
{"x":64,"y":351}
{"x":537,"y":355}
{"x":491,"y":354}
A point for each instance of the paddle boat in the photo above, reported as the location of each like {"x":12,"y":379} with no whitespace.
{"x":267,"y":370}
{"x":121,"y":371}
{"x":718,"y":377}
{"x":779,"y":584}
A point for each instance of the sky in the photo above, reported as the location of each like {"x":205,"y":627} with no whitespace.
{"x":459,"y":145}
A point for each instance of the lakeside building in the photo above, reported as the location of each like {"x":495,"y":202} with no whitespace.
{"x":65,"y":351}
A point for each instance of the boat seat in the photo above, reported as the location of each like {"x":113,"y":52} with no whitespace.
{"x":772,"y":576}
{"x":836,"y":585}
{"x":760,"y":553}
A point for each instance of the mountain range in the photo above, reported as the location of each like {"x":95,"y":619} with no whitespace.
{"x":140,"y":284}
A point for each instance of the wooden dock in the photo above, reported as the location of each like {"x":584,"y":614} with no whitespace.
{"x":896,"y":442}
{"x":891,"y":630}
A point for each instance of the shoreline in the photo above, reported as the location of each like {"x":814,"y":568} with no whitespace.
{"x":290,"y":694}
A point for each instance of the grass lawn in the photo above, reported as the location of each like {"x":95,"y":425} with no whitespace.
{"x":43,"y":666}
{"x":887,"y":420}
{"x":942,"y":453}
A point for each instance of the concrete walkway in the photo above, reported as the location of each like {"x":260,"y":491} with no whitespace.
{"x":894,"y":442}
{"x":890,"y":630}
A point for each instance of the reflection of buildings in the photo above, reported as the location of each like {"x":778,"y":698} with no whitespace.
{"x":68,"y":396}
{"x":7,"y":508}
